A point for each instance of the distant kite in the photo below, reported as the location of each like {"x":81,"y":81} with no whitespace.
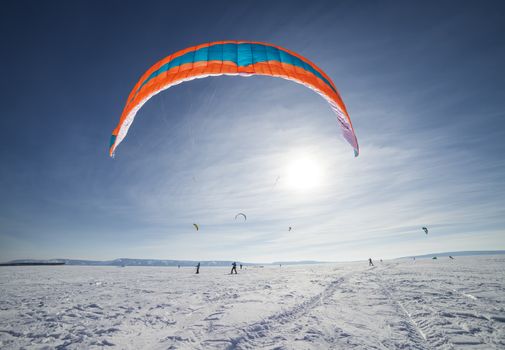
{"x":289,"y":229}
{"x":241,"y":214}
{"x":243,"y":58}
{"x":425,"y":230}
{"x":196,"y":226}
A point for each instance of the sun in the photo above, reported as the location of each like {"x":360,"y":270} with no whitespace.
{"x":303,"y":174}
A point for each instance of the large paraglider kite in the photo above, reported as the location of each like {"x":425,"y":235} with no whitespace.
{"x":244,"y":58}
{"x":425,"y":230}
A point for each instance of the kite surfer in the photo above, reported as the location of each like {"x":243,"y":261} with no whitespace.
{"x":233,"y":268}
{"x":197,"y":268}
{"x":370,"y":263}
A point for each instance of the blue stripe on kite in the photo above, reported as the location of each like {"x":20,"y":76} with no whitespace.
{"x":112,"y":140}
{"x":245,"y":55}
{"x":241,"y":54}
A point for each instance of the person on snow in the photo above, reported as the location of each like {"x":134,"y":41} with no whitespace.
{"x":241,"y":266}
{"x":233,"y":268}
{"x":370,"y":263}
{"x":197,"y":268}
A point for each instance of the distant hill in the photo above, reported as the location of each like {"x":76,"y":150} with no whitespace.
{"x":182,"y":263}
{"x":462,"y":253}
{"x":137,"y":262}
{"x":147,"y":262}
{"x":301,"y":262}
{"x":32,"y":263}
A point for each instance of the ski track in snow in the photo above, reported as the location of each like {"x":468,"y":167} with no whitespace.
{"x":448,"y":317}
{"x":401,"y":304}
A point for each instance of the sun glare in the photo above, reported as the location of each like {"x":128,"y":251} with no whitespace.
{"x":303,"y":174}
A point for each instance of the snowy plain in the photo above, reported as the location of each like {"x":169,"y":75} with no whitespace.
{"x":397,"y":304}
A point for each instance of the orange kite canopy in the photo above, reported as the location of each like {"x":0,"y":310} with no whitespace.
{"x":243,"y":58}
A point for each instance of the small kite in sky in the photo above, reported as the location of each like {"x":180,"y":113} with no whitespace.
{"x":241,"y":214}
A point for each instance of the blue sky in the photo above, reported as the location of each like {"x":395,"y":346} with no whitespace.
{"x":423,"y":82}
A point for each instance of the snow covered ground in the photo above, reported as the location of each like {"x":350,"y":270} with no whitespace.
{"x":426,"y":304}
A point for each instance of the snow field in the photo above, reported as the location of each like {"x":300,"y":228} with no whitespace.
{"x":399,"y":304}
